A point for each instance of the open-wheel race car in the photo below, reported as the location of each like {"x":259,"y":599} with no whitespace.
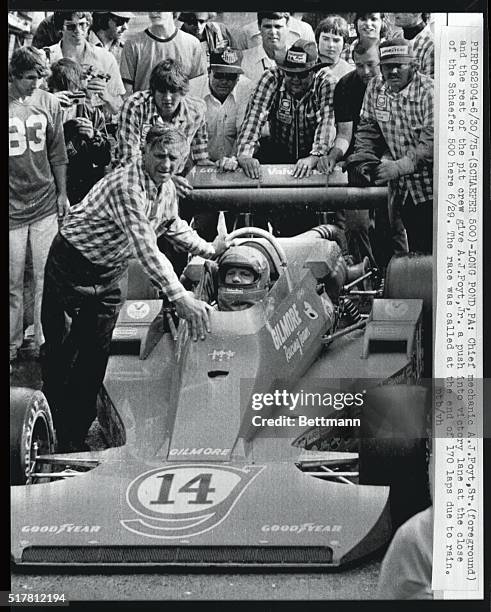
{"x":202,"y":468}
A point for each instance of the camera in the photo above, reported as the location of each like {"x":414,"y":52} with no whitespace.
{"x":76,"y":96}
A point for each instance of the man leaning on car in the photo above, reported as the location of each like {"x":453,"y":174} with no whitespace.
{"x":119,"y":218}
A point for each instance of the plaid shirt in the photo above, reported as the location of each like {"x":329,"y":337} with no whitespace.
{"x":121,"y":217}
{"x":424,"y":50}
{"x":303,"y":126}
{"x":405,"y":121}
{"x":139,"y":113}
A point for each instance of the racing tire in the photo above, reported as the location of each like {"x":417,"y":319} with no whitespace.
{"x":410,"y":276}
{"x":31,"y":431}
{"x":393,"y":449}
{"x":135,"y":284}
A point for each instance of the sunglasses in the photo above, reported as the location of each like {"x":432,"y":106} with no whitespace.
{"x":119,"y":21}
{"x":71,"y":27}
{"x":225,"y":76}
{"x":299,"y":75}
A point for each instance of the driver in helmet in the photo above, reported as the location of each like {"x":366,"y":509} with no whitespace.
{"x":243,"y":278}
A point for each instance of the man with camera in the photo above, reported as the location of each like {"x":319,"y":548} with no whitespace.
{"x":105,"y":87}
{"x":84,"y":127}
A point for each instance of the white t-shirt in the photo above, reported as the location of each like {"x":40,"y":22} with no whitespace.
{"x":144,"y":50}
{"x":223,"y":121}
{"x":406,"y":568}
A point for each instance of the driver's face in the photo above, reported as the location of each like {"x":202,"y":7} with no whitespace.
{"x":239,"y":276}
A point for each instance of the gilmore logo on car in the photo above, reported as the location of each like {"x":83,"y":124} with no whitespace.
{"x":286,"y":326}
{"x":57,"y":529}
{"x":181,"y":501}
{"x":223,"y":452}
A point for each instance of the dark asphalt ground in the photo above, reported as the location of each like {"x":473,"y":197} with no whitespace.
{"x":357,"y":583}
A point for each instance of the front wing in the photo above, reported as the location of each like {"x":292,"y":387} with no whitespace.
{"x":127,"y":513}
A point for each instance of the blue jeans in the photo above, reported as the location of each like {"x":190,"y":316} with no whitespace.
{"x":74,"y":356}
{"x":40,"y":235}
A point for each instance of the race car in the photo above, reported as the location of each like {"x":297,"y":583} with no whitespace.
{"x":207,"y":462}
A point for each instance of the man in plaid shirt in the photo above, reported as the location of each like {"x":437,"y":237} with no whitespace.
{"x":300,"y":111}
{"x":299,"y":108}
{"x":415,"y":28}
{"x":165,"y":103}
{"x":397,"y":114}
{"x":119,"y":218}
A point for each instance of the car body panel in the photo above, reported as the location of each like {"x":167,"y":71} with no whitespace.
{"x":192,"y":472}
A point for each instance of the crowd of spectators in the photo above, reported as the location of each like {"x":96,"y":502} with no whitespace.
{"x":83,"y":97}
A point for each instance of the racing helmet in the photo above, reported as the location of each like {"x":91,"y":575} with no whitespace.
{"x":232,"y":296}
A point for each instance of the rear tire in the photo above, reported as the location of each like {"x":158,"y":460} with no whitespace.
{"x":410,"y":276}
{"x":31,"y":432}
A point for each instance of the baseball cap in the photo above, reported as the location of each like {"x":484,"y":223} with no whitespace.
{"x":226,"y":59}
{"x":122,"y":14}
{"x":301,"y":56}
{"x":397,"y":51}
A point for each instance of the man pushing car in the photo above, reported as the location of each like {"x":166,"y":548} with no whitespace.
{"x":120,"y":218}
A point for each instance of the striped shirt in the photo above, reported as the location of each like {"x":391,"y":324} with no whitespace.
{"x":139,"y":113}
{"x":405,"y":120}
{"x":424,"y":50}
{"x":303,"y":126}
{"x":121,"y":217}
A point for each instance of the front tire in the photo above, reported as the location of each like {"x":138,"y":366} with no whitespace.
{"x":31,"y":433}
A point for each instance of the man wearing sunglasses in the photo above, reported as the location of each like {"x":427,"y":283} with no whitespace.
{"x":397,"y":114}
{"x":108,"y":31}
{"x":299,"y":109}
{"x":225,"y":91}
{"x":105,"y":87}
{"x":211,"y":34}
{"x":298,"y":104}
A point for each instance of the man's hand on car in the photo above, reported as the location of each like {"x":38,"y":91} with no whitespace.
{"x":196,"y":313}
{"x":183,"y":186}
{"x":227,"y":164}
{"x":327,"y":163}
{"x":250,"y":166}
{"x":305,"y":166}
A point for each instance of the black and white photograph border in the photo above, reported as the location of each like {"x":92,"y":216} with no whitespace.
{"x":54,"y":511}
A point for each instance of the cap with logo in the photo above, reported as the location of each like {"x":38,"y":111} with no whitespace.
{"x":301,"y":56}
{"x":396,"y":51}
{"x":122,"y":14}
{"x":226,"y":59}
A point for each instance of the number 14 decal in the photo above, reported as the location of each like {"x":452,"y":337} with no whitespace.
{"x":200,"y":485}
